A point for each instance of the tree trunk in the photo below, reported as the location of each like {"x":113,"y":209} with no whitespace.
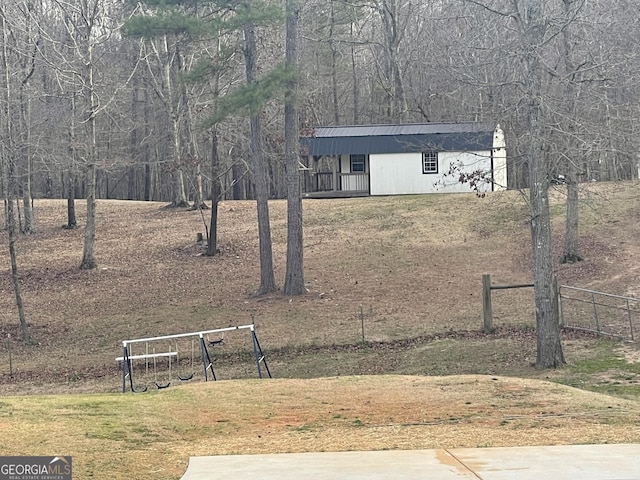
{"x":172,"y":103}
{"x":147,"y":181}
{"x":28,"y":227}
{"x":146,"y":149}
{"x":179,"y":192}
{"x":294,"y":276}
{"x":15,"y":279}
{"x":393,"y":28}
{"x":71,"y":178}
{"x":355,"y":91}
{"x":334,"y":62}
{"x":237,"y":182}
{"x":70,"y":193}
{"x":212,"y":241}
{"x":135,"y":149}
{"x":192,"y":143}
{"x":570,"y":251}
{"x":198,"y":200}
{"x":88,"y":259}
{"x":549,"y":348}
{"x":260,"y":176}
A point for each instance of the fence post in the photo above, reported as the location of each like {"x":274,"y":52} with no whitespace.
{"x":486,"y":303}
{"x":630,"y":322}
{"x":595,"y":312}
{"x":560,"y":306}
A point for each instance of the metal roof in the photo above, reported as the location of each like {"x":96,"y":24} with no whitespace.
{"x":372,"y":139}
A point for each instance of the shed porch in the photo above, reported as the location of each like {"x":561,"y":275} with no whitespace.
{"x":335,"y":184}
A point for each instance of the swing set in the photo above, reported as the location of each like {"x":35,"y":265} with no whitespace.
{"x":173,"y":353}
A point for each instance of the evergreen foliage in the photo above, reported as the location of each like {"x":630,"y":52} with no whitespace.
{"x":252,"y":98}
{"x":167,"y":22}
{"x":186,"y":18}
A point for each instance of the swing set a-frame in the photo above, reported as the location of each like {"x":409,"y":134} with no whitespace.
{"x":203,"y":339}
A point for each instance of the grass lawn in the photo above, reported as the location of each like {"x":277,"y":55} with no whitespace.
{"x":152,"y":435}
{"x":401,"y":273}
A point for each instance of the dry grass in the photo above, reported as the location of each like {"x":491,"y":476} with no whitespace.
{"x":115,"y":436}
{"x":413,"y":264}
{"x":406,"y":266}
{"x":410,"y":267}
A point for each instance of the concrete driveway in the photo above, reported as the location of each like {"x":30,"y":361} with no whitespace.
{"x":582,"y":462}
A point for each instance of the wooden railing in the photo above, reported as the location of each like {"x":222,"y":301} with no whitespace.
{"x":487,"y":311}
{"x":350,"y":182}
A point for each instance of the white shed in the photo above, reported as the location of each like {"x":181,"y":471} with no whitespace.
{"x":404,"y":159}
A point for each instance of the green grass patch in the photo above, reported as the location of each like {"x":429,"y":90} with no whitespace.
{"x":304,"y":428}
{"x":603,"y":369}
{"x":601,"y":364}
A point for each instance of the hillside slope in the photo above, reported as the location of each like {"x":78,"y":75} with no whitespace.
{"x":402,"y":267}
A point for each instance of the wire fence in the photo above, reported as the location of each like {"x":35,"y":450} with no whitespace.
{"x":599,"y":312}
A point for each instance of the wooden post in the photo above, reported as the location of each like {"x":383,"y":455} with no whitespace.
{"x":486,"y":303}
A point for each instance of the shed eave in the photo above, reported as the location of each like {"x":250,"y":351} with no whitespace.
{"x":379,"y":144}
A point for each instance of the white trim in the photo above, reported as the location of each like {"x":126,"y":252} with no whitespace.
{"x":149,"y":355}
{"x":182,"y":335}
{"x":499,"y":160}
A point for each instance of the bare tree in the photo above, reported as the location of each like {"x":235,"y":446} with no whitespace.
{"x":294,"y":276}
{"x":70,"y":173}
{"x":216,"y":192}
{"x":9,"y":152}
{"x":82,"y":24}
{"x":259,"y":167}
{"x":533,"y":33}
{"x":570,"y":252}
{"x":75,"y":52}
{"x":91,"y":102}
{"x":28,"y":67}
{"x":394,"y":16}
{"x":528,"y":31}
{"x":168,"y":55}
{"x":20,"y":22}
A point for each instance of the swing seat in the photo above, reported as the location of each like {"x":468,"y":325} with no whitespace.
{"x":185,"y":378}
{"x":213,"y":343}
{"x":163,"y":385}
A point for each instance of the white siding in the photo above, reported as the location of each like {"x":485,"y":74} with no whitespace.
{"x":397,"y":174}
{"x":357,"y":181}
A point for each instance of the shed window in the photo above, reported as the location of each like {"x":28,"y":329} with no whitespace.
{"x":430,"y":162}
{"x":357,"y":162}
